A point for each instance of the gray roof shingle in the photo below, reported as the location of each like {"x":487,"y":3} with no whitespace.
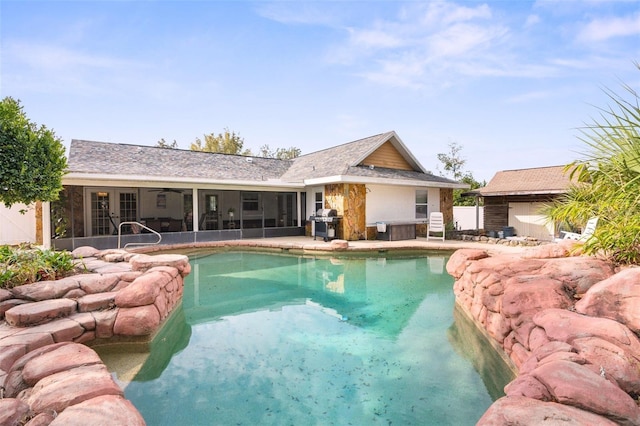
{"x":120,"y":159}
{"x":103,"y":158}
{"x":332,"y":161}
{"x":539,"y":180}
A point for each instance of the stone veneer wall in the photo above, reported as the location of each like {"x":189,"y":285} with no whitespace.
{"x":349,"y":200}
{"x":568,"y":324}
{"x":47,"y":376}
{"x":39,"y":230}
{"x":446,"y":204}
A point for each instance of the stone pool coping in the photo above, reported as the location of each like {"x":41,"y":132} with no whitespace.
{"x":309,"y":245}
{"x":569,"y":326}
{"x":48,"y":376}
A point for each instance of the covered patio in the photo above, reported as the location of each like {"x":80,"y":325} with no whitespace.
{"x":88,"y":215}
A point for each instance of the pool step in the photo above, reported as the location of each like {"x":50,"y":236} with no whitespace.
{"x":34,"y":313}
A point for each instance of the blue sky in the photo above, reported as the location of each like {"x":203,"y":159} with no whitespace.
{"x":509,"y":81}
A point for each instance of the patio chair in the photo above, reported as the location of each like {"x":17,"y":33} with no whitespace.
{"x":135,"y":228}
{"x":208,"y":221}
{"x":155,"y":224}
{"x":587,"y":233}
{"x":175,"y":225}
{"x":436,"y":225}
{"x":436,"y":264}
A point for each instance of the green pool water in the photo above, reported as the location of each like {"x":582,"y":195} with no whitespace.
{"x":266,"y":339}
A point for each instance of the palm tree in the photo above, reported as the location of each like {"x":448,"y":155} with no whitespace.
{"x":608,"y":181}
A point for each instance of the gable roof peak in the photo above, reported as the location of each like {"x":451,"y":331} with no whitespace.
{"x":360,"y":141}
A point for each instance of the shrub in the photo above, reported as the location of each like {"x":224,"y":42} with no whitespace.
{"x":24,"y":265}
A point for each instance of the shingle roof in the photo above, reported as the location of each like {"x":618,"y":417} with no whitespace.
{"x":101,"y":158}
{"x":345,"y":159}
{"x":120,"y":159}
{"x":540,"y":180}
{"x":332,"y":161}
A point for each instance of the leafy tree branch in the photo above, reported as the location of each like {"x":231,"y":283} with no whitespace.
{"x":32,"y":158}
{"x":453,"y":165}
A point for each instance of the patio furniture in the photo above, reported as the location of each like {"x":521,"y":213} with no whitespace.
{"x":587,"y":233}
{"x":436,"y":225}
{"x":175,"y":225}
{"x":396,"y":231}
{"x":436,"y":264}
{"x":208,"y":221}
{"x":155,"y":224}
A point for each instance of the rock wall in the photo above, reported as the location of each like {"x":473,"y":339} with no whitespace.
{"x":569,"y":325}
{"x":47,"y":376}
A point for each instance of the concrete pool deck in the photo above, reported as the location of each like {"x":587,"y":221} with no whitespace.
{"x":420,"y":243}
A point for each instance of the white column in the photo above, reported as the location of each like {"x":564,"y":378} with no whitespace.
{"x":196,"y":211}
{"x":299,"y":208}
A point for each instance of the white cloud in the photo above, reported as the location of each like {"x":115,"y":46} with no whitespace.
{"x":463,"y":39}
{"x":605,"y":28}
{"x":529,"y":96}
{"x":49,"y":68}
{"x":446,"y":13}
{"x":374,"y":38}
{"x":400,"y":72}
{"x":53,"y":57}
{"x":426,"y":39}
{"x":306,"y":13}
{"x":531,"y":21}
{"x":437,"y":44}
{"x":501,"y":67}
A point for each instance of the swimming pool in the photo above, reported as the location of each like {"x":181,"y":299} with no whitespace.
{"x":282,"y":339}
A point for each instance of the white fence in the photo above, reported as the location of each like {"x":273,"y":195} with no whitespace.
{"x":464,"y":217}
{"x":16,"y":227}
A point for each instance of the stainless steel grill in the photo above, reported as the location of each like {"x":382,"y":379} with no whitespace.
{"x":325,"y":222}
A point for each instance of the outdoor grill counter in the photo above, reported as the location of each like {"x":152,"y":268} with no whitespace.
{"x":325,"y":223}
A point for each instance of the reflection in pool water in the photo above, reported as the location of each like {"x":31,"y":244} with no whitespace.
{"x":279,"y":339}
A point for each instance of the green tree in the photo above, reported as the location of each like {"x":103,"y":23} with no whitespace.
{"x":32,"y":158}
{"x":279,"y":153}
{"x":227,"y":142}
{"x":608,"y":181}
{"x":453,"y":165}
{"x":164,"y":144}
{"x":452,"y":162}
{"x":459,"y":199}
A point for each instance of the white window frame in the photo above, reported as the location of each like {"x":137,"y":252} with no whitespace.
{"x":420,"y":203}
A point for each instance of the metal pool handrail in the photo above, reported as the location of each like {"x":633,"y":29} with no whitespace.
{"x":137,"y":224}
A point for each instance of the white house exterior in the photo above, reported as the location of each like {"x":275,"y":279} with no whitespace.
{"x":192,"y":197}
{"x":24,"y":224}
